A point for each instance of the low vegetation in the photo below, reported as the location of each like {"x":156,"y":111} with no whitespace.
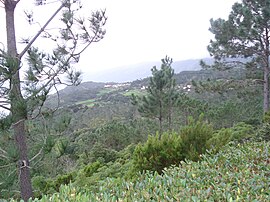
{"x":238,"y":172}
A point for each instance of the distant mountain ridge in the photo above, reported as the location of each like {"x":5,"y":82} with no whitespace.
{"x":140,"y":71}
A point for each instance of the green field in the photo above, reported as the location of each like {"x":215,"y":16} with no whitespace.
{"x":89,"y":103}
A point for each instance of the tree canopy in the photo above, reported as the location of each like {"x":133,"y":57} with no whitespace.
{"x":245,"y":34}
{"x":161,"y":94}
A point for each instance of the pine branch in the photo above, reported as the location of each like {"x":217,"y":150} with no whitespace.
{"x":5,"y":166}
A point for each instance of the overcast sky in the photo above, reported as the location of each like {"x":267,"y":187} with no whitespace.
{"x":140,"y":30}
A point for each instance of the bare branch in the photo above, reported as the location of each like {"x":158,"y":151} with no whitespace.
{"x":41,"y":30}
{"x":4,"y":107}
{"x":4,"y":102}
{"x":39,"y":153}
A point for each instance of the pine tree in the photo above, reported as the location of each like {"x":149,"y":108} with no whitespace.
{"x":245,"y":34}
{"x":24,"y":95}
{"x":161,"y":95}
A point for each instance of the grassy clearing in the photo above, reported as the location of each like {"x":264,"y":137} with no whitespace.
{"x":135,"y":92}
{"x":89,"y":103}
{"x":105,"y":91}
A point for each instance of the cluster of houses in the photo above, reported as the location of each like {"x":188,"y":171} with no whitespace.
{"x":186,"y":88}
{"x":117,"y":85}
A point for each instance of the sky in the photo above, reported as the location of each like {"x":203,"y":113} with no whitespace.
{"x":137,"y":30}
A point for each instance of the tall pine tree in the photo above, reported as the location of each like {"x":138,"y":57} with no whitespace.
{"x":161,"y":95}
{"x":245,"y":34}
{"x":24,"y":95}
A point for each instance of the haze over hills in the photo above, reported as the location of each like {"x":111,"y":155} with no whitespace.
{"x":140,"y":71}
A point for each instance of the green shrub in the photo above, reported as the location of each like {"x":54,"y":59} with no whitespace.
{"x":43,"y":185}
{"x":90,"y":175}
{"x":63,"y":179}
{"x":156,"y":154}
{"x":101,"y":153}
{"x":39,"y":185}
{"x":242,"y":131}
{"x":219,"y":139}
{"x":263,"y":133}
{"x":266,"y":117}
{"x":237,"y":133}
{"x":90,"y":169}
{"x":194,"y":137}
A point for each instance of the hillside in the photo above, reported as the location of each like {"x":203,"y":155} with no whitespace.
{"x":95,"y":90}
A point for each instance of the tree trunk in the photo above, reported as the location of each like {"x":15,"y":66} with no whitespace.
{"x":266,"y":89}
{"x":23,"y":164}
{"x":18,"y":104}
{"x":160,"y":119}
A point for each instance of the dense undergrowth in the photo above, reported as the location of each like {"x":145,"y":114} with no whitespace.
{"x":238,"y":172}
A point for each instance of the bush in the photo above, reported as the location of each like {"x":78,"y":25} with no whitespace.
{"x":219,"y":139}
{"x":89,"y":170}
{"x":239,"y":132}
{"x":101,"y":153}
{"x":63,"y":179}
{"x":242,"y":131}
{"x":194,"y":137}
{"x":263,"y":133}
{"x":47,"y":186}
{"x":156,"y":154}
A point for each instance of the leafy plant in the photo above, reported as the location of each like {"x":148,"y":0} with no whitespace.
{"x":240,"y":172}
{"x":156,"y":154}
{"x":195,"y":136}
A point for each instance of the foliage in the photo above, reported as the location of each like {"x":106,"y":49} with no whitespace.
{"x":102,"y":153}
{"x":156,"y":154}
{"x":242,"y":132}
{"x":240,"y":172}
{"x":219,"y":139}
{"x":91,"y":174}
{"x":266,"y":117}
{"x":115,"y":135}
{"x":263,"y":132}
{"x":244,"y":35}
{"x":188,"y":106}
{"x":5,"y":122}
{"x":92,"y":168}
{"x":195,"y":136}
{"x":189,"y":143}
{"x":230,"y":100}
{"x":161,"y":95}
{"x":42,"y":185}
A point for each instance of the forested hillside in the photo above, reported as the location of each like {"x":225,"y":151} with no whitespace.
{"x":97,"y":132}
{"x":170,"y":135}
